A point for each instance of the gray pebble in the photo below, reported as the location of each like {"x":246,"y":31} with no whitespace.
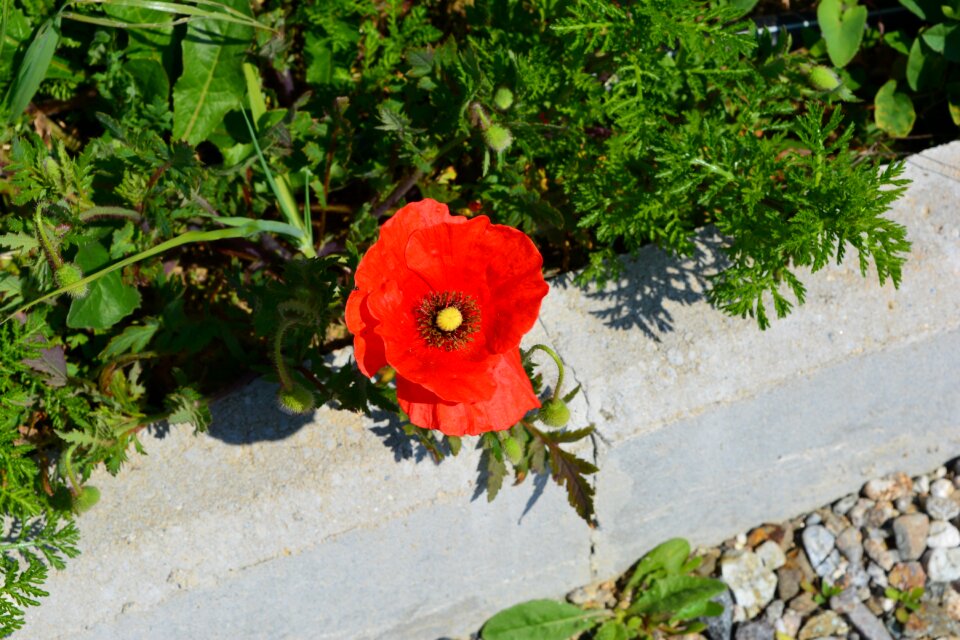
{"x":721,"y":627}
{"x":813,"y":519}
{"x":943,"y":565}
{"x":752,"y":584}
{"x":842,"y":506}
{"x":818,"y":543}
{"x":878,"y":552}
{"x":771,"y":555}
{"x":904,"y":504}
{"x":942,"y":508}
{"x":869,"y":626}
{"x":910,"y":533}
{"x":830,"y":567}
{"x":877,"y":575}
{"x":858,"y":512}
{"x":880,"y":514}
{"x":755,"y":630}
{"x":941,"y":488}
{"x":774,"y":610}
{"x":943,"y":535}
{"x":850,"y":544}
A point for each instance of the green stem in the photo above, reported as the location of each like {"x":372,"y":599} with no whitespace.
{"x":68,"y":467}
{"x":286,"y":380}
{"x":553,"y":354}
{"x":186,"y":238}
{"x":52,"y":254}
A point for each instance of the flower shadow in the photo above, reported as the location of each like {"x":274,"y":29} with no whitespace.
{"x":403,"y":445}
{"x":654,"y":282}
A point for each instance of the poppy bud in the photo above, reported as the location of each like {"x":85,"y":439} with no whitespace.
{"x":824,"y":78}
{"x":295,"y":400}
{"x":503,"y":98}
{"x":513,"y":449}
{"x":554,"y":412}
{"x":69,"y":274}
{"x":85,"y":500}
{"x":498,"y":137}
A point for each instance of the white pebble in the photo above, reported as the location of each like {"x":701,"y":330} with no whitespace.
{"x":887,"y":604}
{"x":943,"y":535}
{"x":941,"y":488}
{"x":940,"y":472}
{"x":921,"y":485}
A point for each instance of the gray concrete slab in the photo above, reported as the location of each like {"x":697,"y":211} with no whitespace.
{"x":275,"y":527}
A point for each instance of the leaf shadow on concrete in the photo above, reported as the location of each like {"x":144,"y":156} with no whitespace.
{"x":652,"y":283}
{"x":403,"y":446}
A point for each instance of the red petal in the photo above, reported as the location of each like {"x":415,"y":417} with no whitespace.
{"x":455,"y":376}
{"x":513,"y":398}
{"x":367,"y":345}
{"x":498,"y":264}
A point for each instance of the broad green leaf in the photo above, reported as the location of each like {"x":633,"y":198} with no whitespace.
{"x":944,"y":39}
{"x":421,"y":63}
{"x":924,"y":68}
{"x":665,"y":559}
{"x":540,"y":620}
{"x":212,"y":83}
{"x":108,"y":301}
{"x":893,"y":110}
{"x":842,"y":26}
{"x":676,"y":594}
{"x":612,"y":630}
{"x":33,"y":68}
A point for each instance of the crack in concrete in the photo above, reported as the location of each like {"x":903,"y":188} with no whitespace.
{"x":595,"y":458}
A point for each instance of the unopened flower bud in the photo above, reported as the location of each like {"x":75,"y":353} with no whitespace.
{"x":824,"y":78}
{"x":67,"y":276}
{"x":513,"y":450}
{"x":554,"y":412}
{"x":86,"y":499}
{"x":498,"y":137}
{"x":296,"y":400}
{"x":503,"y":98}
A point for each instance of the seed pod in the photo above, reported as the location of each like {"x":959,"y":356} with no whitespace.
{"x":67,"y":276}
{"x":824,"y":78}
{"x":555,"y":413}
{"x":513,"y":449}
{"x":503,"y":98}
{"x":498,"y":137}
{"x":86,"y":499}
{"x":295,"y":400}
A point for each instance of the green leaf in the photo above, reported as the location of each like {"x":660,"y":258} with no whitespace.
{"x":953,"y":103}
{"x":34,"y":67}
{"x":665,"y":559}
{"x":928,"y":10}
{"x":133,"y":339}
{"x":944,"y":39}
{"x":421,"y":63}
{"x":212,"y":83}
{"x":18,"y":241}
{"x":897,"y":41}
{"x":924,"y":68}
{"x":612,"y":630}
{"x":894,"y":111}
{"x":540,"y":620}
{"x":842,"y":26}
{"x":676,"y":595}
{"x":108,"y":301}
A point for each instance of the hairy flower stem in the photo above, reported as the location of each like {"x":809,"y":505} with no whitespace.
{"x":286,"y":380}
{"x":53,"y":256}
{"x":68,"y":467}
{"x":553,"y":354}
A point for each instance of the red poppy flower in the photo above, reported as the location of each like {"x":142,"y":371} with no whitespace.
{"x":445,"y":301}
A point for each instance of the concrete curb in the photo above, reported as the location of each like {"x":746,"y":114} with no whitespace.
{"x":274,"y":527}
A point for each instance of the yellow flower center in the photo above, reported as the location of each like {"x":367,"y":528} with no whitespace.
{"x":449,"y":319}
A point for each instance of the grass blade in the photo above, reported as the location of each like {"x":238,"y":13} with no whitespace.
{"x":34,"y":67}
